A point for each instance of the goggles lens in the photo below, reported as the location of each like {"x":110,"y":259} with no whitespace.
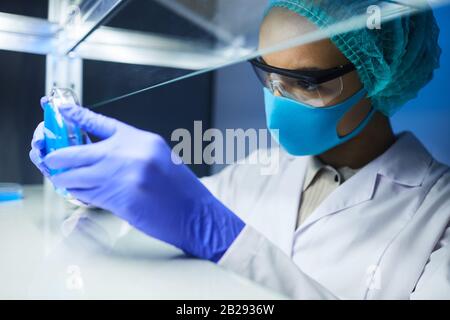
{"x":312,"y":94}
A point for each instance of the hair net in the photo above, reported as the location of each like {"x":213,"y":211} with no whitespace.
{"x":393,"y":62}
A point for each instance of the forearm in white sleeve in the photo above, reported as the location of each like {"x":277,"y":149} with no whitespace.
{"x":255,"y":257}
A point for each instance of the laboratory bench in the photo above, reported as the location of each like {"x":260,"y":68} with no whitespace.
{"x":50,"y":249}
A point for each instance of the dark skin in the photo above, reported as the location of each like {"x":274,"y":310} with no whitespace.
{"x":280,"y":25}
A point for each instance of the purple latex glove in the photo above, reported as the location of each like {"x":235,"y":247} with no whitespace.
{"x":131,"y":173}
{"x":37,"y":152}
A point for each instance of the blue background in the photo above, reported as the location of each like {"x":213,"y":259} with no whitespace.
{"x":428,"y":115}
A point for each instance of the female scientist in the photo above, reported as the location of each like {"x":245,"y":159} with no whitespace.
{"x":354,"y":211}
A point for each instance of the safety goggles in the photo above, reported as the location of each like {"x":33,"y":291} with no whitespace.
{"x":316,"y":88}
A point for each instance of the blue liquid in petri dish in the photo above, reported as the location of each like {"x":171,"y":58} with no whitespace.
{"x":10,"y":192}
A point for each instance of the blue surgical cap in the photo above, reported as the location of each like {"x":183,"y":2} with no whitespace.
{"x":393,"y":62}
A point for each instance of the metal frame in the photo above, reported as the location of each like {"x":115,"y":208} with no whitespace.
{"x":61,"y":70}
{"x":25,"y":34}
{"x":39,"y":36}
{"x":53,"y":37}
{"x":134,"y":47}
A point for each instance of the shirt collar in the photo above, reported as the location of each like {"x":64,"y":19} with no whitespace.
{"x":314,"y":166}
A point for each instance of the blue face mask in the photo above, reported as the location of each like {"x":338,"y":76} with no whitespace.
{"x":304,"y":130}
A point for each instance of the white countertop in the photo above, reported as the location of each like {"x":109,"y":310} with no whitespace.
{"x":99,"y":257}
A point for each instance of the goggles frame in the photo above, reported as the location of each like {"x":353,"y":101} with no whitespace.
{"x":310,"y":76}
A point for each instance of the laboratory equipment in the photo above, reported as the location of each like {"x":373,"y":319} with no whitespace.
{"x":60,"y":133}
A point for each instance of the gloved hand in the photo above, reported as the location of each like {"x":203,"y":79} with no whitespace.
{"x":131,"y":173}
{"x":37,"y":152}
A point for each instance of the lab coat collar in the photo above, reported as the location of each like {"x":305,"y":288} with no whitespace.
{"x":280,"y":230}
{"x":406,"y":162}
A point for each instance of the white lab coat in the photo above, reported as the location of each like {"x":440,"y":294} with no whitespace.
{"x":383,"y":234}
